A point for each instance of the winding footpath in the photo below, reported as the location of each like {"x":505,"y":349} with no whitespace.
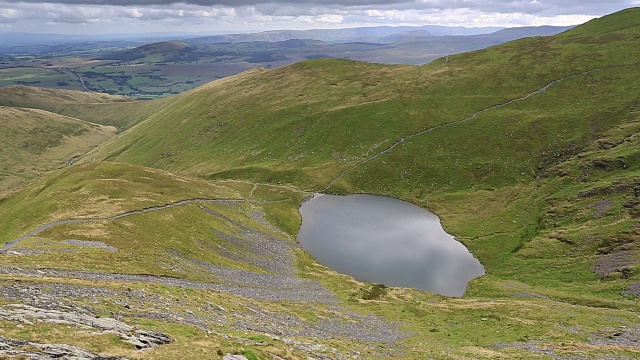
{"x":473,"y":116}
{"x":44,"y":227}
{"x":253,"y":190}
{"x":274,"y":255}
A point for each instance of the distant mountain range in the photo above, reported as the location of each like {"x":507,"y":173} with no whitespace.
{"x":37,"y":43}
{"x":14,"y":41}
{"x":360,"y":34}
{"x":389,"y":45}
{"x":27,"y":39}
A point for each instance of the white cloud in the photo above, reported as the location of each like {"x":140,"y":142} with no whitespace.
{"x":235,"y":15}
{"x":330,"y":19}
{"x":375,"y":13}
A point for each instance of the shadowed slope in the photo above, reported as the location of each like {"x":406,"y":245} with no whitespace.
{"x":36,"y":141}
{"x":99,"y":108}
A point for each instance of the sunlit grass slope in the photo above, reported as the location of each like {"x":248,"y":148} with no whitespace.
{"x":36,"y":141}
{"x":98,"y":190}
{"x":102,"y":190}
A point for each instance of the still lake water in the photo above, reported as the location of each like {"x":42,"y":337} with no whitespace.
{"x":387,"y":241}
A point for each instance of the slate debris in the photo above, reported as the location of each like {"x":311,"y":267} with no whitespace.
{"x":60,"y":302}
{"x":141,"y":339}
{"x":38,"y":351}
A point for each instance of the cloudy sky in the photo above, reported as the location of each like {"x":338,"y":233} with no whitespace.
{"x":126,"y":16}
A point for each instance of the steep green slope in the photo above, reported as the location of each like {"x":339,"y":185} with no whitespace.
{"x":622,"y":22}
{"x":104,"y":109}
{"x":36,"y":141}
{"x":476,"y":137}
{"x":306,"y":122}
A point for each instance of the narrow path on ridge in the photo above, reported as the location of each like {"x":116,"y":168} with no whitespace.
{"x":253,"y":190}
{"x":473,"y":116}
{"x":47,"y":226}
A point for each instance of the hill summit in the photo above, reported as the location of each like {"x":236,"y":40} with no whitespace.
{"x":165,"y":49}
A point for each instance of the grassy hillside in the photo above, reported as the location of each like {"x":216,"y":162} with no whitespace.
{"x":622,"y":22}
{"x":36,"y":141}
{"x":488,"y":127}
{"x":529,"y":152}
{"x":111,"y":110}
{"x":223,"y":275}
{"x":305,"y":123}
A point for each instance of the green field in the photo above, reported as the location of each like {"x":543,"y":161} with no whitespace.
{"x":41,"y":77}
{"x":148,"y":78}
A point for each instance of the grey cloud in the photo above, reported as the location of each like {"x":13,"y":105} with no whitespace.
{"x":534,"y":7}
{"x":66,"y":13}
{"x":269,"y":13}
{"x":228,"y":3}
{"x":546,"y":7}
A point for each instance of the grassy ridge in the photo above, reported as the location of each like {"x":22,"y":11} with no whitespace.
{"x":99,"y":190}
{"x":111,"y":110}
{"x":37,"y":141}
